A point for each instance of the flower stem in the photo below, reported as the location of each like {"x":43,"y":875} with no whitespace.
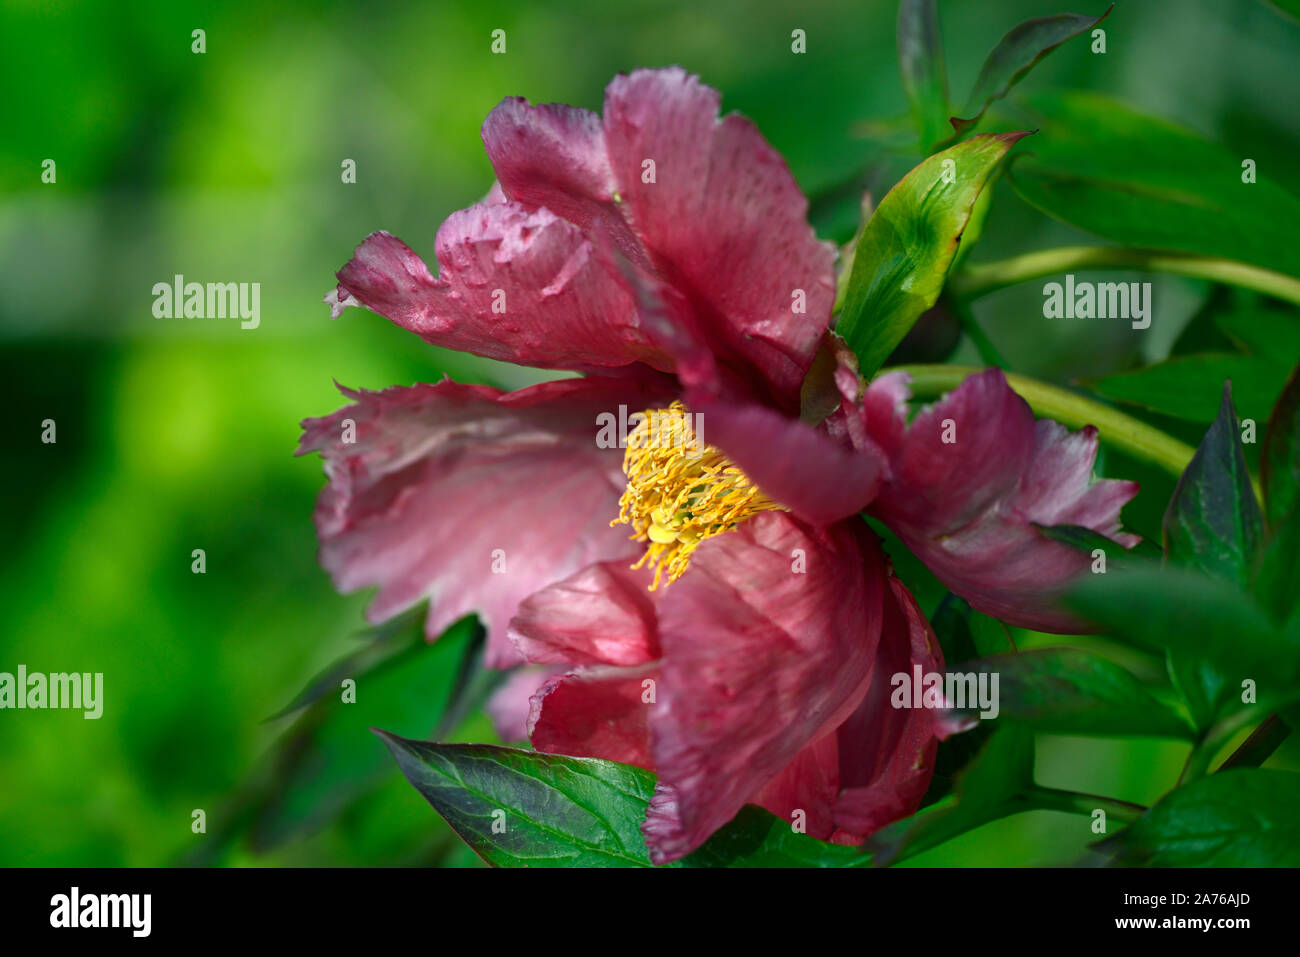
{"x":1138,"y":439}
{"x":977,"y":279}
{"x":1077,"y":802}
{"x":1261,"y":744}
{"x":970,"y":325}
{"x":1209,"y":744}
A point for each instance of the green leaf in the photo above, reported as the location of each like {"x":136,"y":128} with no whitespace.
{"x":1289,"y":8}
{"x":1086,"y":540}
{"x":1190,"y":387}
{"x":520,"y":808}
{"x":1280,"y":456}
{"x":955,"y":625}
{"x":1213,"y":522}
{"x":382,"y":643}
{"x":908,"y":245}
{"x":993,"y":786}
{"x":1214,"y":635}
{"x":1239,"y":818}
{"x":1271,"y":334}
{"x":920,"y":59}
{"x":327,"y":759}
{"x":1140,"y":181}
{"x":1071,"y":691}
{"x":1016,"y":54}
{"x":1275,"y":582}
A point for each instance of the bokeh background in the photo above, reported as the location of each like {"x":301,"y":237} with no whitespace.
{"x":179,"y":434}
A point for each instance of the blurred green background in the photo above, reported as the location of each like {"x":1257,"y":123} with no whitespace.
{"x":178,"y":434}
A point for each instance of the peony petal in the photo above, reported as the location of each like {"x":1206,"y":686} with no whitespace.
{"x":553,"y":156}
{"x":767,"y":645}
{"x":809,"y":472}
{"x":516,"y":285}
{"x":602,"y":615}
{"x":887,"y":754}
{"x":470,"y":496}
{"x":723,"y":220}
{"x":806,"y":790}
{"x":967,"y":507}
{"x":596,"y":713}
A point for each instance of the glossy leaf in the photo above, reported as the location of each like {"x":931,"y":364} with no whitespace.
{"x":1071,"y":691}
{"x":1213,"y":522}
{"x":1238,"y":818}
{"x":1271,"y":334}
{"x":907,"y":247}
{"x":1190,"y":387}
{"x":1141,"y":181}
{"x":519,"y":808}
{"x":1214,"y":635}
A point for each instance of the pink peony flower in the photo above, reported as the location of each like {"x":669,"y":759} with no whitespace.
{"x":741,"y":639}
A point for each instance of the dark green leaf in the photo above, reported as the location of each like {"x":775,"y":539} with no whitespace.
{"x":920,"y":59}
{"x":1271,"y":334}
{"x":1190,"y":387}
{"x":1070,"y":691}
{"x":327,"y":759}
{"x":381,"y":643}
{"x":1290,"y":8}
{"x":1086,"y":540}
{"x":1140,"y":181}
{"x":1277,"y":576}
{"x":525,"y":809}
{"x":1214,"y":635}
{"x":1280,"y":458}
{"x":993,"y":786}
{"x":953,"y":626}
{"x":1239,"y":818}
{"x":1016,"y":54}
{"x":905,"y":251}
{"x":1213,"y":522}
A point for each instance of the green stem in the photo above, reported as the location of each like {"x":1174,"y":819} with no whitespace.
{"x":1210,"y":744}
{"x":970,"y":325}
{"x":1261,"y":744}
{"x":974,"y":280}
{"x":1115,"y":428}
{"x":1077,"y":802}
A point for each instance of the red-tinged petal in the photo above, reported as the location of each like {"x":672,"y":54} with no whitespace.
{"x":553,"y":156}
{"x":806,"y":790}
{"x":887,"y":754}
{"x":600,"y":712}
{"x":516,"y":285}
{"x":723,"y":220}
{"x":602,"y":615}
{"x":973,"y":475}
{"x":807,"y":471}
{"x":469,"y":496}
{"x":767,"y":645}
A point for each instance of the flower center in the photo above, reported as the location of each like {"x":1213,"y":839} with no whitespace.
{"x":680,"y":491}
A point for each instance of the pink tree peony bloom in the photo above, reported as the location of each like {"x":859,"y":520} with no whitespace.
{"x":741,"y":639}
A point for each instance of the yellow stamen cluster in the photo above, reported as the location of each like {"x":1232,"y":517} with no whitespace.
{"x":680,"y":492}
